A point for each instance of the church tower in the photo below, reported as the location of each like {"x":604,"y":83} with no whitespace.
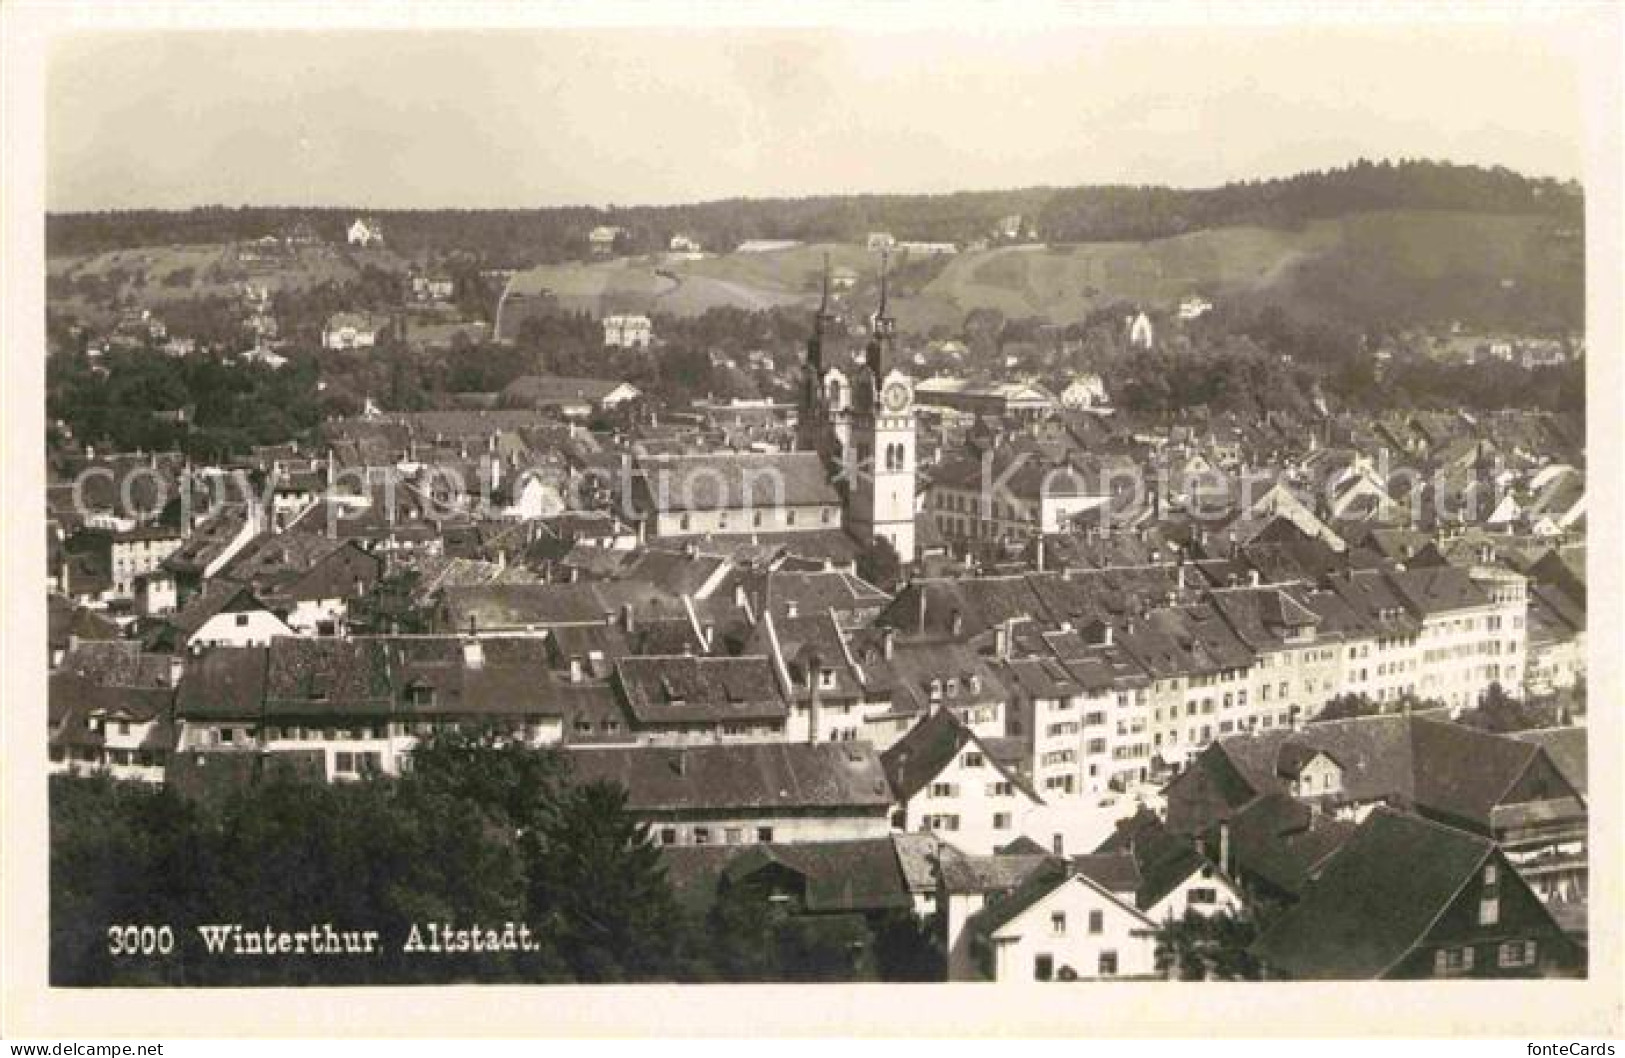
{"x":824,"y":424}
{"x":880,"y":496}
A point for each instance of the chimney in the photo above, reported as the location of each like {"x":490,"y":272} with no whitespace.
{"x":888,"y":642}
{"x":575,"y":668}
{"x":627,"y":620}
{"x":956,"y":623}
{"x":791,"y":609}
{"x":1225,"y":866}
{"x":1040,"y":558}
{"x":710,"y":634}
{"x":815,"y":696}
{"x":1253,"y":578}
{"x":473,"y":653}
{"x":177,"y":666}
{"x":1107,"y":635}
{"x":679,"y":763}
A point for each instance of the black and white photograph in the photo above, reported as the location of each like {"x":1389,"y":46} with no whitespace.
{"x":695,"y":500}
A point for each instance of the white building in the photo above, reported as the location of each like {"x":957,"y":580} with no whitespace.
{"x":1085,"y":391}
{"x":1061,"y":925}
{"x":351,"y":330}
{"x":1194,"y":307}
{"x":628,"y":332}
{"x":947,"y":782}
{"x":365,"y":231}
{"x":1140,"y":334}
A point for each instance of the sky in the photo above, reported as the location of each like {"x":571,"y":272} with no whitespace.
{"x":543,"y":117}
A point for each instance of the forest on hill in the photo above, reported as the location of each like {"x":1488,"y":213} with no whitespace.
{"x":524,"y":237}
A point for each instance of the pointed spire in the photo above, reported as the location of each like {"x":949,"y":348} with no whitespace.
{"x":823,"y":303}
{"x":884,"y":257}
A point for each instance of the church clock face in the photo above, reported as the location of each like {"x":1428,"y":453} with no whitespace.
{"x":894,"y":396}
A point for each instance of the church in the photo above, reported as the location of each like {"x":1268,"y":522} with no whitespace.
{"x":852,"y":475}
{"x":863,"y":427}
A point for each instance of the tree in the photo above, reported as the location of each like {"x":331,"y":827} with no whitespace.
{"x":1207,"y":948}
{"x":1500,"y":713}
{"x":880,"y":565}
{"x":907,"y":948}
{"x":498,"y":773}
{"x":597,"y":882}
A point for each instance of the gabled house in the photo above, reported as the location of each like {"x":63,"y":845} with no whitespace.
{"x":1166,"y":875}
{"x":1501,"y":788}
{"x":109,"y":707}
{"x":223,"y":614}
{"x":1062,"y":925}
{"x":364,"y":232}
{"x":949,"y":782}
{"x":1407,"y":898}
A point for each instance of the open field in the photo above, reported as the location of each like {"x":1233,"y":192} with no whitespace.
{"x":162,"y":273}
{"x":1431,"y":264}
{"x":1066,"y":283}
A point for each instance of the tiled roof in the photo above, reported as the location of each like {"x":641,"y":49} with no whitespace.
{"x":1375,"y":900}
{"x":328,"y":677}
{"x":964,"y":873}
{"x":752,"y":776}
{"x":732,"y":481}
{"x":225,"y":682}
{"x":862,"y":875}
{"x":683,"y":689}
{"x":117,"y":663}
{"x":1566,"y":746}
{"x":1280,"y":841}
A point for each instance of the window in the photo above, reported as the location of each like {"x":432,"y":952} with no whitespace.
{"x":1448,"y":962}
{"x":1057,"y":924}
{"x":1043,"y":968}
{"x":1516,"y":953}
{"x":242,"y":620}
{"x":1489,"y":874}
{"x":1204,"y":896}
{"x":1097,"y":921}
{"x":942,"y":789}
{"x":1001,"y":820}
{"x":1000,"y":789}
{"x":1489,"y":910}
{"x":702,"y":835}
{"x":764,"y":834}
{"x":973,"y":760}
{"x":1108,"y":964}
{"x":733,"y":835}
{"x":668,"y":835}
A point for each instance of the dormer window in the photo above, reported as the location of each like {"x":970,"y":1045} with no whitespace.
{"x":826,"y":679}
